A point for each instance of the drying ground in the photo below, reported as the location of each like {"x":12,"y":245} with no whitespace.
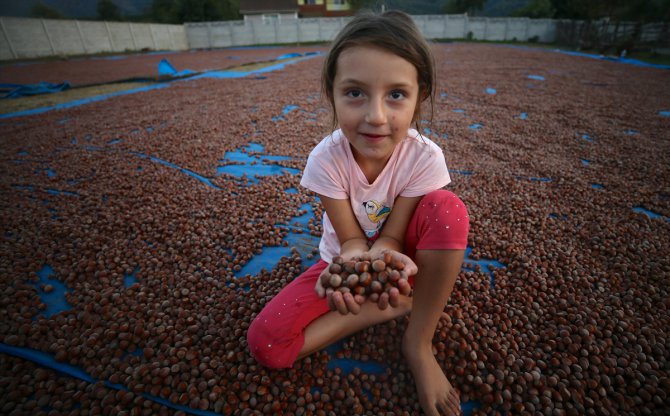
{"x":562,"y":162}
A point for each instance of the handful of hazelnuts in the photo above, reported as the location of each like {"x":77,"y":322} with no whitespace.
{"x":363,"y":275}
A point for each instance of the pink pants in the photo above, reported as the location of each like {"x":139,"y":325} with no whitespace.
{"x":275,"y":337}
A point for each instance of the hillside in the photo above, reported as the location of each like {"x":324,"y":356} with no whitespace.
{"x":87,"y":9}
{"x":77,"y":9}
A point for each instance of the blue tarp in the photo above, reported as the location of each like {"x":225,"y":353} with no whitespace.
{"x":629,"y":61}
{"x":288,"y":56}
{"x":19,"y":90}
{"x":165,"y":68}
{"x":79,"y":102}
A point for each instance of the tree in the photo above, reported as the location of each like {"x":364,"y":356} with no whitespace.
{"x":108,"y":10}
{"x":463,"y":6}
{"x":164,"y":11}
{"x":180,"y":11}
{"x":618,"y":10}
{"x":537,"y":9}
{"x":645,"y":10}
{"x":43,"y":11}
{"x":361,"y":4}
{"x":578,"y":9}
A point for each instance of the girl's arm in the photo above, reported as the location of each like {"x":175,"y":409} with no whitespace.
{"x":392,"y":236}
{"x":352,"y":239}
{"x":352,"y":242}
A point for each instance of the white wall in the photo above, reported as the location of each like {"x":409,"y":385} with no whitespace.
{"x":33,"y":38}
{"x":255,"y":31}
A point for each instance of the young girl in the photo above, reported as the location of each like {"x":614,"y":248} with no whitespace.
{"x":380,"y":184}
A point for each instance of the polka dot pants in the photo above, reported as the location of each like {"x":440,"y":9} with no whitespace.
{"x":275,"y":337}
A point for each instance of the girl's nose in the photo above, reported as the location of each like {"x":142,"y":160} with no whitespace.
{"x":376,"y":112}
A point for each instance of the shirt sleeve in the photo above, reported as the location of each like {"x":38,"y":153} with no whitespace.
{"x":430,"y":172}
{"x":323,"y":174}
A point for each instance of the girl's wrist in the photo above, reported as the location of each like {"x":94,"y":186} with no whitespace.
{"x":383,"y":244}
{"x":353,"y":248}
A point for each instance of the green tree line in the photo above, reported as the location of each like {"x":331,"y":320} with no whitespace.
{"x":180,"y":11}
{"x":620,"y":10}
{"x":160,"y":11}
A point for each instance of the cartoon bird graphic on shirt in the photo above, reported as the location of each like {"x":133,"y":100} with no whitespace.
{"x":376,"y":211}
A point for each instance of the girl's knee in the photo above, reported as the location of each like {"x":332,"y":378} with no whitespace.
{"x":448,"y":200}
{"x":441,"y":221}
{"x":260,"y":338}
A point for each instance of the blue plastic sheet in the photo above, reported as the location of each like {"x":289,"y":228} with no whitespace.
{"x":650,"y":214}
{"x":18,"y":90}
{"x":288,"y":56}
{"x":79,"y":102}
{"x":628,"y":61}
{"x":165,"y":68}
{"x":210,"y":74}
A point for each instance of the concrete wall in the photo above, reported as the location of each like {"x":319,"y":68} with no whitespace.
{"x":33,"y":38}
{"x":254,"y":32}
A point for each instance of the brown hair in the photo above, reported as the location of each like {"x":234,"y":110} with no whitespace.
{"x":393,"y":31}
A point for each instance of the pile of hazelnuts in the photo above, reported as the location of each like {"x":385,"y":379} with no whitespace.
{"x":363,"y":275}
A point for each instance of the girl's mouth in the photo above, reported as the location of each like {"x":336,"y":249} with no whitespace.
{"x":373,"y":137}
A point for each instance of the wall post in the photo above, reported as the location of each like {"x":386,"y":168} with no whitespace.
{"x":232,"y":34}
{"x":81,"y":37}
{"x":274,"y":23}
{"x":527,"y":29}
{"x":109,"y":36}
{"x":209,"y":34}
{"x":297,"y":30}
{"x":254,"y":41}
{"x":9,"y":41}
{"x":46,"y":32}
{"x":506,"y":28}
{"x":153,"y":38}
{"x":466,"y":26}
{"x":132,"y":35}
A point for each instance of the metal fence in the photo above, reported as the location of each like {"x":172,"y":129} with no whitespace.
{"x":613,"y":37}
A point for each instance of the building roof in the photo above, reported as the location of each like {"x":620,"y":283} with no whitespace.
{"x":268,"y":6}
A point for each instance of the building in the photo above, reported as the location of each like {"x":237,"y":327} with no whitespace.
{"x":268,"y":10}
{"x":324,"y":8}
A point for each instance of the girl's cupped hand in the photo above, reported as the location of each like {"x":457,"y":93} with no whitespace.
{"x":351,"y":303}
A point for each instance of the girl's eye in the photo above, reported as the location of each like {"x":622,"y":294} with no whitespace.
{"x":354,"y":93}
{"x":397,"y":95}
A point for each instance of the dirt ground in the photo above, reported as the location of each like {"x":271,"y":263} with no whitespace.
{"x":563,"y":163}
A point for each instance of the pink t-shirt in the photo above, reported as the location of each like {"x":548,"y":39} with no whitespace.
{"x":416,"y":167}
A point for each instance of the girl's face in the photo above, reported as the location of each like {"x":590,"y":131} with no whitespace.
{"x":375,"y":94}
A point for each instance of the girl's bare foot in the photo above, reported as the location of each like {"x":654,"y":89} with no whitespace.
{"x":436,"y":395}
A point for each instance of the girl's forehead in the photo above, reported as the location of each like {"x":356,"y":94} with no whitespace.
{"x":368,"y":48}
{"x":371,"y":61}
